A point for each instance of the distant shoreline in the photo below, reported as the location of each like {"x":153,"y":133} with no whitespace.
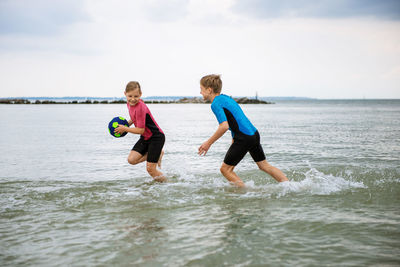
{"x":184,"y":100}
{"x":165,"y":100}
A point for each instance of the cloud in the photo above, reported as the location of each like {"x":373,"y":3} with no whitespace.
{"x":382,"y":9}
{"x":164,"y":11}
{"x":99,"y":45}
{"x":39,"y":17}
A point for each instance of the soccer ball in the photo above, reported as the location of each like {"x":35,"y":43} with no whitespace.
{"x":114,"y":124}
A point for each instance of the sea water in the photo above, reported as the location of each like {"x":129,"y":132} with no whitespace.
{"x":68,"y":197}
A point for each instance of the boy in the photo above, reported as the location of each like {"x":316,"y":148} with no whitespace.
{"x":152,"y":138}
{"x":245,"y":136}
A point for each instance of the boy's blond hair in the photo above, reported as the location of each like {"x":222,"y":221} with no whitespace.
{"x":133,"y":86}
{"x":212,"y":81}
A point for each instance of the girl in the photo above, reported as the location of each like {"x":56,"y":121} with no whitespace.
{"x":152,"y":138}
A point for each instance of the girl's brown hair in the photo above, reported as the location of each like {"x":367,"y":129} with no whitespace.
{"x":133,"y":86}
{"x":212,"y":81}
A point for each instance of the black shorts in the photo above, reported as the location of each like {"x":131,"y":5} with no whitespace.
{"x":241,"y":145}
{"x":152,"y":147}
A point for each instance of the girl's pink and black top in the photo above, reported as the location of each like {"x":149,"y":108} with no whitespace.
{"x":142,"y":118}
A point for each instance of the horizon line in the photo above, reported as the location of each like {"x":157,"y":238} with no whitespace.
{"x":176,"y":96}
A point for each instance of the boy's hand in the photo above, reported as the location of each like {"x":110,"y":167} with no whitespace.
{"x":120,"y":129}
{"x":204,"y":148}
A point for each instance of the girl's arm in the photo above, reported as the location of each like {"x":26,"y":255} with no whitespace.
{"x":122,"y":129}
{"x":222,"y":128}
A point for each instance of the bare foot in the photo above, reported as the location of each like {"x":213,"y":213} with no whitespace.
{"x":160,"y":178}
{"x":160,"y":159}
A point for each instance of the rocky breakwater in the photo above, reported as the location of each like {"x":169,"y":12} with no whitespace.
{"x":185,"y":100}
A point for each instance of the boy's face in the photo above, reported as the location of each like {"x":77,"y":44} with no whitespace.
{"x":205,"y":92}
{"x":133,"y":97}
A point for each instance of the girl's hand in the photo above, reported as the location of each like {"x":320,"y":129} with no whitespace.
{"x":204,"y":148}
{"x":121,"y":129}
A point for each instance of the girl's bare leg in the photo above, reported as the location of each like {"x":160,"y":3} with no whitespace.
{"x":156,"y":174}
{"x":135,"y":157}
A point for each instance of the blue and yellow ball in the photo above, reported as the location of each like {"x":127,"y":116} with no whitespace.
{"x":114,"y":124}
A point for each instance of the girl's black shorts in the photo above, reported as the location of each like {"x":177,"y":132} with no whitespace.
{"x":241,"y":145}
{"x":152,"y":147}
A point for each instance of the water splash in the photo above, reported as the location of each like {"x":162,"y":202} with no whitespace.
{"x":319,"y":183}
{"x":315,"y":183}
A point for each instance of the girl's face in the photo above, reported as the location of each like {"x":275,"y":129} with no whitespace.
{"x":205,"y":92}
{"x":133,"y":97}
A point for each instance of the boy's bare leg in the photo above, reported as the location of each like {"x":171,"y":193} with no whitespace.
{"x":156,"y":174}
{"x":227,"y":171}
{"x":135,"y":157}
{"x":276,"y":173}
{"x":160,"y":159}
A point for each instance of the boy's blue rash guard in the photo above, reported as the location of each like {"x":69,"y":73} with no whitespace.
{"x":226,"y":109}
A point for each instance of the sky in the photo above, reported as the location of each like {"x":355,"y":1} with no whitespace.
{"x":320,"y":49}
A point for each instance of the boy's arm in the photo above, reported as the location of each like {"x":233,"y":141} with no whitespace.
{"x":222,"y":128}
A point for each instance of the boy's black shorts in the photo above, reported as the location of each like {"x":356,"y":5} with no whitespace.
{"x":152,"y":147}
{"x":241,"y":145}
